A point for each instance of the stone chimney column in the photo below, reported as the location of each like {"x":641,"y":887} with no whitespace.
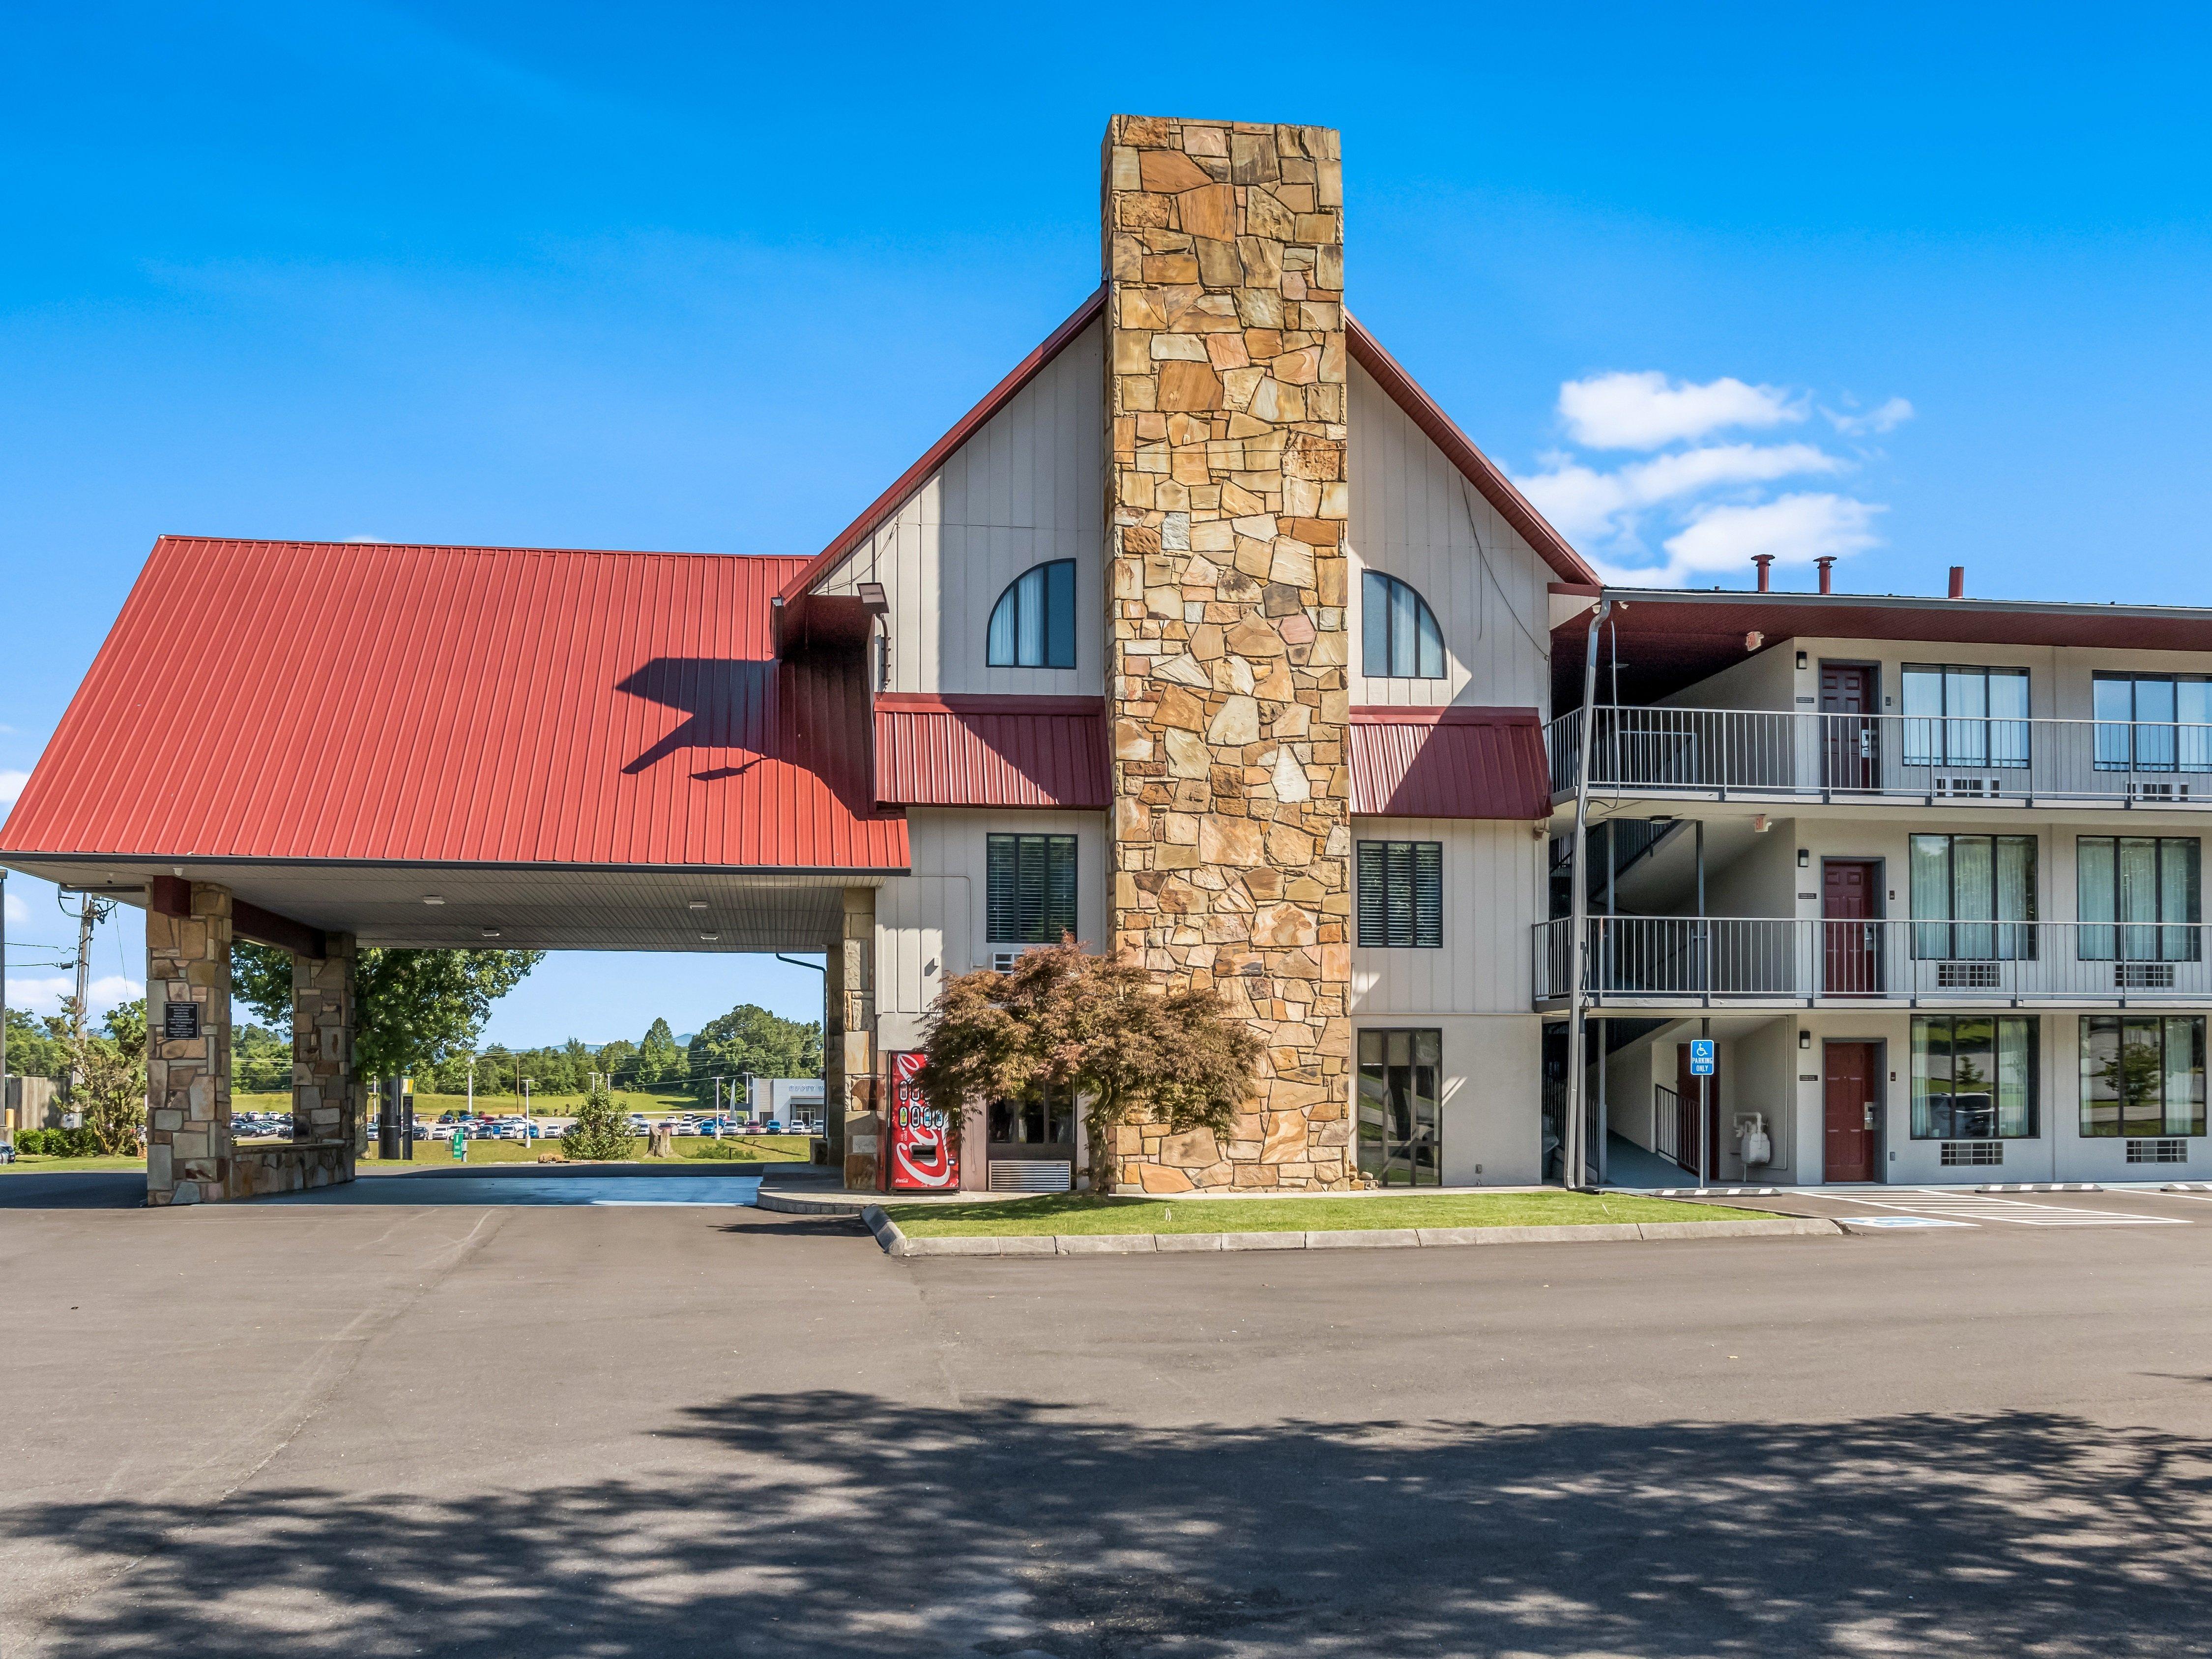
{"x":1227,"y":501}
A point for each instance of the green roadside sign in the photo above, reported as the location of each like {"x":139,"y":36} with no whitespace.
{"x":460,"y":1144}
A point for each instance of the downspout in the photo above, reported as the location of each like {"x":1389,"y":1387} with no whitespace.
{"x":1574,"y":1172}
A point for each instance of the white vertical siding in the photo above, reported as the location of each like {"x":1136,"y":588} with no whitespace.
{"x":1026,"y":489}
{"x":1415,"y":516}
{"x":1493,"y":882}
{"x":936,"y":916}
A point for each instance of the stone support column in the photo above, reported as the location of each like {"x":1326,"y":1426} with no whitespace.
{"x":850,"y":1089}
{"x":328,"y":1099}
{"x":1227,"y":501}
{"x":188,"y":1146}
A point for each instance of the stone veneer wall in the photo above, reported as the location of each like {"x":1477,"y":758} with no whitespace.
{"x":190,"y":1155}
{"x":188,"y":1151}
{"x":1227,"y":501}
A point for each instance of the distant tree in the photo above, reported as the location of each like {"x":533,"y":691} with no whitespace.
{"x":260,"y":1059}
{"x":413,"y":1007}
{"x":601,"y":1129}
{"x":750,"y":1038}
{"x":1099,"y":1027}
{"x":618,"y":1061}
{"x":113,"y":1065}
{"x":658,"y":1058}
{"x":37,"y":1048}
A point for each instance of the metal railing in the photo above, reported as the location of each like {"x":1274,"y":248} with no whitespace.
{"x":1699,"y":961}
{"x":1759,"y":752}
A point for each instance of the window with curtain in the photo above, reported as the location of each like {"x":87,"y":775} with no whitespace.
{"x":1964,"y":717}
{"x":1973,"y":1077}
{"x":1031,"y":889}
{"x":2153,"y":722}
{"x":2143,"y":1074}
{"x":1400,"y":638}
{"x":1973,"y":898}
{"x":1401,"y":895}
{"x":1400,"y":1107}
{"x":1033,"y":624}
{"x":2136,"y":899}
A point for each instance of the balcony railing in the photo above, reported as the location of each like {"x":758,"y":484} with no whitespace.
{"x":1697,"y":961}
{"x":1754,"y":752}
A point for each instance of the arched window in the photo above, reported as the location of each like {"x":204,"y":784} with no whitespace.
{"x":1401,"y":640}
{"x":1033,"y":624}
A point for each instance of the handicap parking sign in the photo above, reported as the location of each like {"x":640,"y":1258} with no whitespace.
{"x":1701,"y":1057}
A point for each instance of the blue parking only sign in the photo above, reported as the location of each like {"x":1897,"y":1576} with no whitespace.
{"x":1701,"y":1057}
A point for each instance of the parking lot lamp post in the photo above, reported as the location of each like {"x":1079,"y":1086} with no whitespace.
{"x":526,"y":1114}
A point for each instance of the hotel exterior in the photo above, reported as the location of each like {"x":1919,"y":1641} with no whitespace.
{"x":1206,"y":637}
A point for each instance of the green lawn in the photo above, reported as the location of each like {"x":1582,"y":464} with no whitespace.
{"x":28,"y":1162}
{"x":762,"y":1148}
{"x":1078,"y":1212}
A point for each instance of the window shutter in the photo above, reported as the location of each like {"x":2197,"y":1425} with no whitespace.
{"x":1003,"y":913}
{"x":1401,"y":893}
{"x":1429,"y":894}
{"x":1372,"y":932}
{"x":1060,"y":907}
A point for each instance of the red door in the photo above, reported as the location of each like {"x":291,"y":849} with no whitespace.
{"x":1849,"y":1092}
{"x":1687,"y":1110}
{"x":1850,"y":933}
{"x":1850,"y":733}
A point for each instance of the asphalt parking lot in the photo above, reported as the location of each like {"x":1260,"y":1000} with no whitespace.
{"x":632,"y":1430}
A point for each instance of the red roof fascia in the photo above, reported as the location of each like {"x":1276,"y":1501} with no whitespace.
{"x":979,"y":751}
{"x":1449,"y":762}
{"x":966,"y":427}
{"x":1478,"y":468}
{"x":518,"y":705}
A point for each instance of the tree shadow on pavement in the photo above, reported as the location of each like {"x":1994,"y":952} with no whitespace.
{"x":836,"y":1524}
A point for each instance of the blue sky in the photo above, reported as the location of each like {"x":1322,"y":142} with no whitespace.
{"x":1918,"y":285}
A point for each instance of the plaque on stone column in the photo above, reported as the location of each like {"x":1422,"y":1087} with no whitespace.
{"x":180,"y":1021}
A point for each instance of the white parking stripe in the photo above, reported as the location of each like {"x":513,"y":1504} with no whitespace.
{"x":1981,"y":1206}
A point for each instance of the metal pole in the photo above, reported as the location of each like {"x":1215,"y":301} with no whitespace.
{"x":1705,"y":1103}
{"x":1571,"y":1131}
{"x":84,"y":921}
{"x":1604,"y":1093}
{"x":526,"y":1114}
{"x":1704,"y":944}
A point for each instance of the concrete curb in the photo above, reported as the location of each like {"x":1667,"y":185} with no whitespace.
{"x":784,"y":1203}
{"x":897,"y":1243}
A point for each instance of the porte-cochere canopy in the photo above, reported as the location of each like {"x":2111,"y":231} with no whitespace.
{"x":565,"y":747}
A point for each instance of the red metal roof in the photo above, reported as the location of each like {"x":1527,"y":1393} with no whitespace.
{"x":1449,"y":762}
{"x":318,"y":700}
{"x":967,"y":751}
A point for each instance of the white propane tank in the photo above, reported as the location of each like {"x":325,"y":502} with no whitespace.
{"x":1757,"y":1147}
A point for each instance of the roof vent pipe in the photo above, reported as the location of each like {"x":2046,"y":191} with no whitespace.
{"x":1765,"y":563}
{"x":1827,"y":566}
{"x":1958,"y":581}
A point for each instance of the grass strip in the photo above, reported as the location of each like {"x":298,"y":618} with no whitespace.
{"x":1080,"y":1212}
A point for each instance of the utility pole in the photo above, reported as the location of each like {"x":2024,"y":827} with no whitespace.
{"x":90,"y":913}
{"x":526,"y":1114}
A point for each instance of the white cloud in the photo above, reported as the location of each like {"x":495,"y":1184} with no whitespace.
{"x":11,"y":785}
{"x":43,"y":996}
{"x":1796,"y":528}
{"x":1647,"y":411}
{"x":1582,"y":502}
{"x":1893,"y":414}
{"x":15,"y":908}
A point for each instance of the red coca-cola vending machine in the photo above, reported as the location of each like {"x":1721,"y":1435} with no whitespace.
{"x":922,"y":1150}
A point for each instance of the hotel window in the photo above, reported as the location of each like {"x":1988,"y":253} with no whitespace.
{"x":1973,"y":1077}
{"x":2136,"y":897}
{"x":1401,"y":895}
{"x":1964,"y":717}
{"x":1401,"y":1110}
{"x":1973,"y":898}
{"x":2143,"y":1075}
{"x":1045,"y":1118}
{"x":2167,"y":721}
{"x":1033,"y":624}
{"x":1031,"y":889}
{"x":1400,"y":638}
